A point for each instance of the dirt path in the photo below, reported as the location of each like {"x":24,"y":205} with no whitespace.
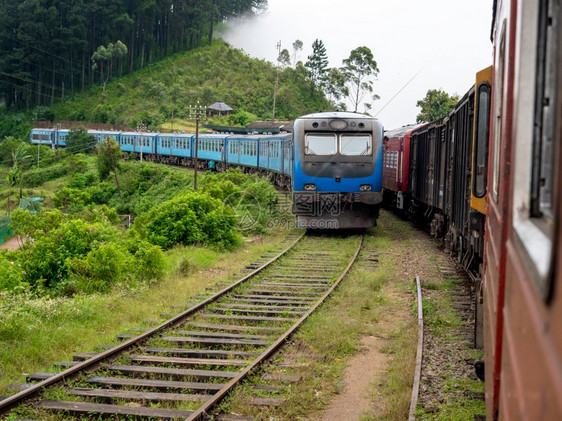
{"x":365,"y":368}
{"x":11,"y":244}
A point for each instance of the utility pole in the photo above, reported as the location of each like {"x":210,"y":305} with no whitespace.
{"x":276,"y":79}
{"x":195,"y":113}
{"x":141,"y":128}
{"x":57,"y":130}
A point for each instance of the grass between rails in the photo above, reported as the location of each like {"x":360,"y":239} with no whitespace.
{"x":48,"y":330}
{"x":372,"y":301}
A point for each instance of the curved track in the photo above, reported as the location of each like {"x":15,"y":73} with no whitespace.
{"x":192,"y":361}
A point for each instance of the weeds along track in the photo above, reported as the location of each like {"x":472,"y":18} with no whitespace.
{"x":183,"y":367}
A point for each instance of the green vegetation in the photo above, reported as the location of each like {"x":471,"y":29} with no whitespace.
{"x":164,"y":91}
{"x":46,"y":48}
{"x":435,"y":104}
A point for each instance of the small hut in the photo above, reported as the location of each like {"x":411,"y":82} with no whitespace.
{"x":219,"y":108}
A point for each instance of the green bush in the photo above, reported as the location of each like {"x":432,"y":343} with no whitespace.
{"x":12,"y":276}
{"x":71,"y":199}
{"x":82,"y":180}
{"x":100,"y":269}
{"x":36,"y":177}
{"x":188,"y":219}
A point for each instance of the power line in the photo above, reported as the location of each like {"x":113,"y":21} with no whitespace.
{"x":398,"y":93}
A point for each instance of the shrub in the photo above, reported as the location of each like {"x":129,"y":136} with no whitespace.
{"x":71,"y":199}
{"x":12,"y":276}
{"x":191,"y":218}
{"x":36,"y":177}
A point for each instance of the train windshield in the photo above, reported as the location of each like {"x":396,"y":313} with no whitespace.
{"x":355,"y":145}
{"x":320,"y":144}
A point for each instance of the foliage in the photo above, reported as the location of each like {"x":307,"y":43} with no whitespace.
{"x":435,"y":104}
{"x":71,"y":199}
{"x":317,"y":66}
{"x":109,"y":154}
{"x":252,"y":198}
{"x":66,"y":256}
{"x":218,"y":72}
{"x":191,"y":218}
{"x":241,"y":118}
{"x":59,"y":35}
{"x":36,"y":177}
{"x":297,"y":46}
{"x":335,"y":86}
{"x":80,"y":141}
{"x":14,"y":124}
{"x":359,"y":68}
{"x":284,"y":58}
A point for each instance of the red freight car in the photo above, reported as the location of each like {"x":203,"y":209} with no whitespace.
{"x":396,"y":157}
{"x":522,"y":288}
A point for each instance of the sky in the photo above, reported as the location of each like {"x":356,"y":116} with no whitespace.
{"x":434,"y":44}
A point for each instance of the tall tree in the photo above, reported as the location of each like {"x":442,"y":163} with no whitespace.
{"x":317,"y":66}
{"x":297,"y":46}
{"x":360,"y":68}
{"x":335,"y":87}
{"x":284,"y":58}
{"x":435,"y":104}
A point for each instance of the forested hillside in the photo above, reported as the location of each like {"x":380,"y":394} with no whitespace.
{"x":207,"y":74}
{"x":52,"y":48}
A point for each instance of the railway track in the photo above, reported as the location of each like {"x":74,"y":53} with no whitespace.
{"x":182,"y":368}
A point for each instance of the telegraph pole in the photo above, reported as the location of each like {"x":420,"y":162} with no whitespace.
{"x":195,"y":113}
{"x":276,"y":79}
{"x":141,"y":128}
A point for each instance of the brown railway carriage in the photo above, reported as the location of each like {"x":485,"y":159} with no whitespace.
{"x":522,"y":288}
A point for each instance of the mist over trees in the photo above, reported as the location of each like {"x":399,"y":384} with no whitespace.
{"x":46,"y":46}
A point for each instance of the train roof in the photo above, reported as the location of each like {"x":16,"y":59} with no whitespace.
{"x":337,"y":114}
{"x":401,"y":131}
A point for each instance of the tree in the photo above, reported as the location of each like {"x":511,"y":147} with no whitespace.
{"x":435,"y":104}
{"x":109,"y":153}
{"x":297,"y":46}
{"x":317,"y":65}
{"x":335,"y":85}
{"x":108,"y":55}
{"x":359,"y":69}
{"x":80,"y":141}
{"x":284,"y":58}
{"x":14,"y":177}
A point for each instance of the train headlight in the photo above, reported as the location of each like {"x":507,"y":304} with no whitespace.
{"x":365,"y":187}
{"x":310,"y":186}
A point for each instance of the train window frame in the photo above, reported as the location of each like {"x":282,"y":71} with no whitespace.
{"x":307,"y":149}
{"x":353,"y":136}
{"x":482,"y":134}
{"x":533,"y":219}
{"x":499,"y":84}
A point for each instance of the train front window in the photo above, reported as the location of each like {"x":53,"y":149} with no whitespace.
{"x":355,"y":145}
{"x":320,"y":144}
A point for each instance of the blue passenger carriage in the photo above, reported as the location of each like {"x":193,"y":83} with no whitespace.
{"x":243,"y":150}
{"x":42,"y":136}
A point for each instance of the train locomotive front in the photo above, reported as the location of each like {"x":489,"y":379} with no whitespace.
{"x":337,"y":174}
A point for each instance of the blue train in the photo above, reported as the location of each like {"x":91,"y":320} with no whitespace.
{"x":337,"y":170}
{"x":333,"y":162}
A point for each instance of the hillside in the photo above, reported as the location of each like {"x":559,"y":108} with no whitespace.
{"x":165,"y":90}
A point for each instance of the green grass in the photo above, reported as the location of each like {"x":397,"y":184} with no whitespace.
{"x":39,"y":332}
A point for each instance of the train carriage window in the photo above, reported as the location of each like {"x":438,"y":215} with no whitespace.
{"x":541,"y":184}
{"x":534,"y":172}
{"x":320,"y":144}
{"x":355,"y":144}
{"x":481,"y":142}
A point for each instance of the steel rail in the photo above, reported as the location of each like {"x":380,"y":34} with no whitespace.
{"x":419,"y":352}
{"x":222,"y":393}
{"x":93,"y":362}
